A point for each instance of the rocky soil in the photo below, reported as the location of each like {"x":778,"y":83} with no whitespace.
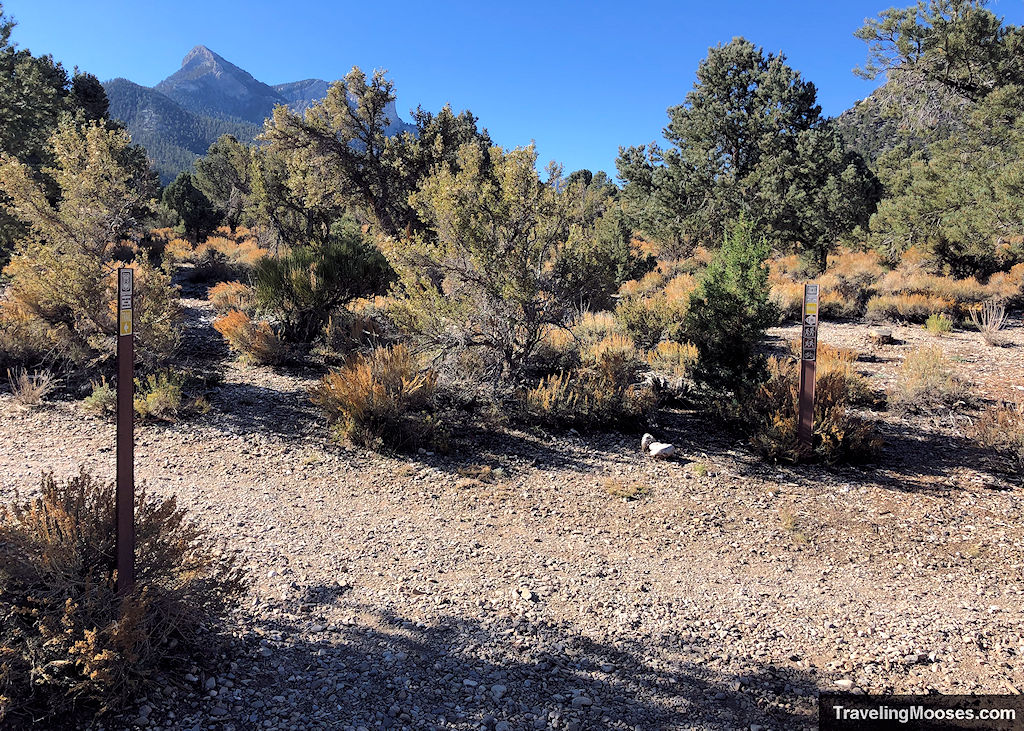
{"x":427,"y":592}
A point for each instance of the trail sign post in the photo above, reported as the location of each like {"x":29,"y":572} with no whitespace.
{"x":808,"y":360}
{"x":125,"y":500}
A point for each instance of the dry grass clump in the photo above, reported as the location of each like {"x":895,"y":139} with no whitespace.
{"x":908,"y":307}
{"x":927,"y":383}
{"x":842,"y":361}
{"x":69,"y":645}
{"x":625,"y":490}
{"x":674,"y":361}
{"x":380,"y":399}
{"x":858,"y":283}
{"x":234,"y":295}
{"x":30,"y":390}
{"x":602,"y":392}
{"x":255,"y":341}
{"x":839,"y":435}
{"x":1002,"y":430}
{"x":989,"y":318}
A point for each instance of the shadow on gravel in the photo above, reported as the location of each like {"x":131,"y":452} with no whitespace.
{"x":390,"y":672}
{"x":915,"y":459}
{"x":245,"y":408}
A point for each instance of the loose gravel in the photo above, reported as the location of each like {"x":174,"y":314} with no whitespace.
{"x":403,"y":593}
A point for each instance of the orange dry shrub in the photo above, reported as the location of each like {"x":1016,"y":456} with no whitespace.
{"x":557,"y":350}
{"x":220,"y":257}
{"x":379,"y":399}
{"x":256,"y":342}
{"x":788,"y":296}
{"x":594,"y":326}
{"x":601,"y":392}
{"x":1008,"y":287}
{"x":231,"y":296}
{"x":163,"y":234}
{"x":23,"y":338}
{"x":177,"y":251}
{"x":845,"y":287}
{"x":650,"y":282}
{"x":679,"y":288}
{"x":909,"y":307}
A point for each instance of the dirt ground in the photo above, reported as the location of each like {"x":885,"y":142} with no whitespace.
{"x":397,"y":592}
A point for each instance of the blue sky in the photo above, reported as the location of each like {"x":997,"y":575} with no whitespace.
{"x":579,"y":78}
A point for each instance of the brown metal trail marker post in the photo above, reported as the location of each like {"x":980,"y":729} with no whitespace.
{"x":808,"y":359}
{"x":125,"y":500}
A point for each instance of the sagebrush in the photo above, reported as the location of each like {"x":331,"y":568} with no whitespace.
{"x":70,"y":646}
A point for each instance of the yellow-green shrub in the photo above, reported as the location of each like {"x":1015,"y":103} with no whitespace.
{"x":645,"y":318}
{"x":102,"y":401}
{"x":161,"y":397}
{"x":939,"y":325}
{"x":69,"y":644}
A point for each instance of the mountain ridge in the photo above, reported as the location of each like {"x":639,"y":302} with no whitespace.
{"x":208,"y":96}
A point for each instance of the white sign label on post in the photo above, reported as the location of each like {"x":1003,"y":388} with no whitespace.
{"x":124,"y":301}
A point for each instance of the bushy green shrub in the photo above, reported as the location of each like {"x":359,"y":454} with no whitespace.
{"x":729,"y":313}
{"x":305,"y":285}
{"x":69,"y":645}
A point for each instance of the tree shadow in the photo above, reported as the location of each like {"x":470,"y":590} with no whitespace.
{"x":384,"y":670}
{"x":914,"y":458}
{"x":247,"y":408}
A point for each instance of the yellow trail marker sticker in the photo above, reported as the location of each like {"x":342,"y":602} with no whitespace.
{"x":811,"y":308}
{"x":126,"y":322}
